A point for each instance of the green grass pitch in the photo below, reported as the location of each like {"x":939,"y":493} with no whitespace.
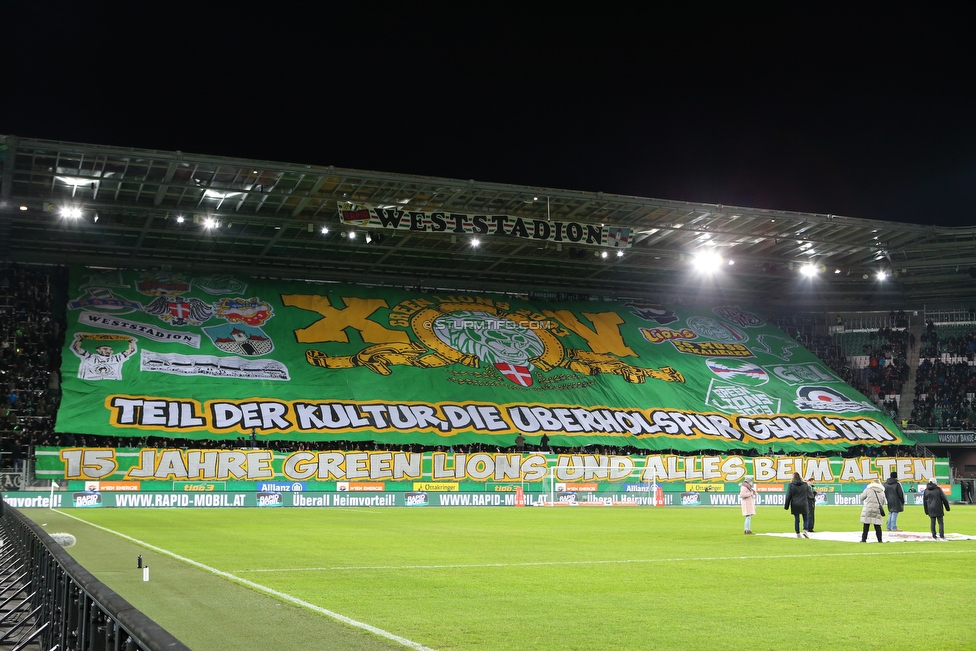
{"x":547,"y":579}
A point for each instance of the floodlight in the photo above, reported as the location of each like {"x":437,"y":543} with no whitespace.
{"x":620,"y":254}
{"x":881,"y":275}
{"x":809,"y":270}
{"x":475,"y":242}
{"x":325,"y":230}
{"x":369,"y":238}
{"x":707,"y":261}
{"x":603,"y":254}
{"x":209,"y":223}
{"x":23,"y":207}
{"x":71,"y":212}
{"x":179,"y":219}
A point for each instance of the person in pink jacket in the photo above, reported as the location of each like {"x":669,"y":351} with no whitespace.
{"x":748,"y":497}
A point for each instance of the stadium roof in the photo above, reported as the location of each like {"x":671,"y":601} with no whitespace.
{"x":271,"y":215}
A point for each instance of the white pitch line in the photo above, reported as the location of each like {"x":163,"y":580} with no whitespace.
{"x":261,"y":588}
{"x":346,"y":568}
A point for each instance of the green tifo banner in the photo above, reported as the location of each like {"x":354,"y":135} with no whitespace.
{"x":217,"y":357}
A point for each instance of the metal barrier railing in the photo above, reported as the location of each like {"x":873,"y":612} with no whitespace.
{"x":50,"y":602}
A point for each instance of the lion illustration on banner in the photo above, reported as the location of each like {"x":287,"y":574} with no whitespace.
{"x":454,"y":333}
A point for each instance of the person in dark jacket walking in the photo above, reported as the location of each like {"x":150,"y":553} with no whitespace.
{"x":933,"y":501}
{"x":895,"y":497}
{"x":812,"y":494}
{"x":798,"y":502}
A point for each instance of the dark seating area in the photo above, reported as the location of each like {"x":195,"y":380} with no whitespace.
{"x":30,"y":345}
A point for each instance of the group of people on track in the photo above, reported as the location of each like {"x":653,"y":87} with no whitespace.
{"x":801,"y":501}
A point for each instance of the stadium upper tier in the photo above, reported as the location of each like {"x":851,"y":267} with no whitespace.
{"x":110,"y":206}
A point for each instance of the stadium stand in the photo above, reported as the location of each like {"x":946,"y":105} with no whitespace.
{"x":30,"y":357}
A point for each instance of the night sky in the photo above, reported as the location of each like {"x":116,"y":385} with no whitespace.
{"x":856,"y":114}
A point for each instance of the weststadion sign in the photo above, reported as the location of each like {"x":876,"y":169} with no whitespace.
{"x":540,"y":230}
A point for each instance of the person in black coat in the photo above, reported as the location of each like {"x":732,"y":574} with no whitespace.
{"x":895,"y":497}
{"x":798,"y":502}
{"x":933,"y":501}
{"x":812,"y":495}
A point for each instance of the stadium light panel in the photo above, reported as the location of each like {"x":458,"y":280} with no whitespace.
{"x":23,"y":207}
{"x":179,"y":219}
{"x":809,"y":270}
{"x":620,"y":254}
{"x":475,"y":242}
{"x":603,"y":254}
{"x":881,"y":275}
{"x":707,"y":261}
{"x":71,"y":212}
{"x":209,"y":223}
{"x":325,"y":230}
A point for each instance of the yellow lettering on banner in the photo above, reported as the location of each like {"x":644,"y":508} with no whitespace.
{"x":299,"y":466}
{"x":786,"y":466}
{"x":605,"y":338}
{"x":534,"y":467}
{"x":146,"y":467}
{"x":691,"y":468}
{"x":818,"y":470}
{"x":88,"y":463}
{"x":507,"y":467}
{"x":906,"y":470}
{"x":885,"y":465}
{"x":231,"y":464}
{"x":331,"y":466}
{"x":620,"y":467}
{"x":259,"y":465}
{"x":710,"y":468}
{"x":407,"y":464}
{"x":733,"y":468}
{"x":200,"y":464}
{"x":357,"y":465}
{"x":765,"y":468}
{"x":924,"y":469}
{"x":480,"y":466}
{"x":379,"y":465}
{"x":866,"y":472}
{"x":334,"y":321}
{"x":170,"y":466}
{"x":654,"y":469}
{"x":438,"y":467}
{"x":851,"y":471}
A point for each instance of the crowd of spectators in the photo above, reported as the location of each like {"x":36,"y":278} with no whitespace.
{"x":942,"y":393}
{"x":30,"y":344}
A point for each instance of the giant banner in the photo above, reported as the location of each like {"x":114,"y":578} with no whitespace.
{"x":163,"y":478}
{"x":224,"y":357}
